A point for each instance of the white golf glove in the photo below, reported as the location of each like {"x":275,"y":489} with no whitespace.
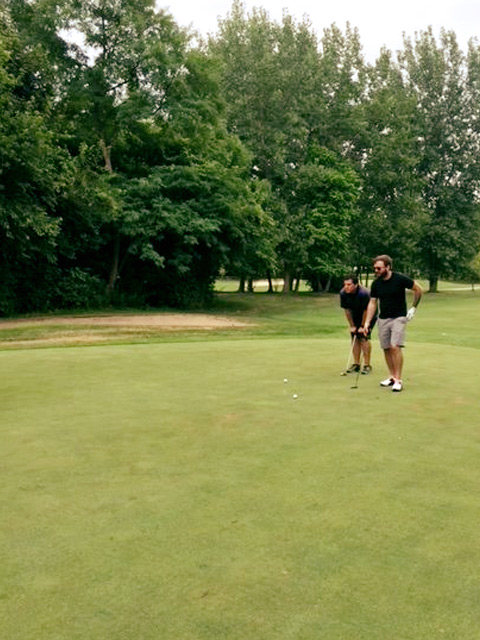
{"x":411,"y":313}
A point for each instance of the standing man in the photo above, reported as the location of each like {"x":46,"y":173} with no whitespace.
{"x":389,"y":287}
{"x":354,"y":301}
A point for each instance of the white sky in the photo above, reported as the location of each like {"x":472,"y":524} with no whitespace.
{"x":379,"y":22}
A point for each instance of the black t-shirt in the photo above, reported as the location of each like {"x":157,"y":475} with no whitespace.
{"x":391,"y":294}
{"x":357,"y":302}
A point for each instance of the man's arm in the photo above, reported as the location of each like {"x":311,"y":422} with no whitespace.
{"x":364,"y":316}
{"x":349,"y":317}
{"x":417,"y":295}
{"x":371,"y":309}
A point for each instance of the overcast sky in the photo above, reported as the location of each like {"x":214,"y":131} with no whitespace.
{"x":379,"y":22}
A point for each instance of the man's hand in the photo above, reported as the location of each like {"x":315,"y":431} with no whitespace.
{"x":364,"y":331}
{"x":410,"y":313}
{"x":353,"y":331}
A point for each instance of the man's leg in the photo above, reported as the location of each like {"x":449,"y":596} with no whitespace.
{"x":356,"y":351}
{"x":389,"y":361}
{"x":384,"y":335}
{"x":394,"y":359}
{"x":398,"y":340}
{"x":366,"y":350}
{"x":392,"y":334}
{"x":397,"y":362}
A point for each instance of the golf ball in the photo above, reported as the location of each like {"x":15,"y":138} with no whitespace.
{"x":285,"y":379}
{"x":295,"y":396}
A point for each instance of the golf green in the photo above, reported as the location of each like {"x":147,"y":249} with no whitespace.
{"x":180,"y":491}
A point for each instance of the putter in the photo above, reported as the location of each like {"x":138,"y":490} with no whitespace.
{"x":355,"y":386}
{"x":344,"y":373}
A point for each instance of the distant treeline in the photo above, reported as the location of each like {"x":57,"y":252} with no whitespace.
{"x":137,"y":166}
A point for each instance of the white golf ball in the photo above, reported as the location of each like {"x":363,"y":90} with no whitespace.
{"x":285,"y":379}
{"x":295,"y":396}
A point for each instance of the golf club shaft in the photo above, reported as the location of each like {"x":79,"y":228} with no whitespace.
{"x":357,"y":376}
{"x":351,"y":352}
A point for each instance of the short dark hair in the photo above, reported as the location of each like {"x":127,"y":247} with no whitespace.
{"x":387,"y":261}
{"x":351,"y":276}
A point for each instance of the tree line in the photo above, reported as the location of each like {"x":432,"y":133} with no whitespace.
{"x":138,"y":161}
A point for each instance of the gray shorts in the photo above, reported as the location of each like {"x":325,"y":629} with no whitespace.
{"x":391,"y":332}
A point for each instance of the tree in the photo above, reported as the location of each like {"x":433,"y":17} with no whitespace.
{"x":391,"y":205}
{"x":132,"y":56}
{"x":448,"y":148}
{"x":132,"y":178}
{"x":323,"y":194}
{"x":32,"y":171}
{"x":279,"y":106}
{"x":340,"y":93}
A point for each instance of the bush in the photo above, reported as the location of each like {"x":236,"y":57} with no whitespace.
{"x":77,"y":289}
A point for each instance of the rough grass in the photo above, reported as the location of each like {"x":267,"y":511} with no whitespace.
{"x":177,"y":490}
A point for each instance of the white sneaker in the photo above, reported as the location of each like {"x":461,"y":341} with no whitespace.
{"x":397,"y":385}
{"x":387,"y":382}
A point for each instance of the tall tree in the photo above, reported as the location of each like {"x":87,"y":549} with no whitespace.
{"x":322,"y":196}
{"x":32,"y":173}
{"x":392,"y":210}
{"x":273,"y":85}
{"x":149,"y":101}
{"x":131,"y":56}
{"x":132,"y":172}
{"x":448,"y":148}
{"x":340,"y":93}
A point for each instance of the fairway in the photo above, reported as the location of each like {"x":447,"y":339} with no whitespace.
{"x":178,"y":491}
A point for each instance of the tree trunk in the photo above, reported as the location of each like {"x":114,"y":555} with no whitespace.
{"x":287,"y":281}
{"x":270,"y":283}
{"x":315,"y":284}
{"x":297,"y":285}
{"x":106,"y":151}
{"x":433,"y":284}
{"x":115,"y":265}
{"x":241,"y":285}
{"x":250,"y":285}
{"x":328,"y":284}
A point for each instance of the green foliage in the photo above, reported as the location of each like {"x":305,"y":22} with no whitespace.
{"x":74,"y":289}
{"x":391,"y":205}
{"x":31,"y":178}
{"x":187,"y":221}
{"x":142,"y":187}
{"x":448,"y":149}
{"x":321,"y":195}
{"x":141,"y":160}
{"x":340,"y":92}
{"x":283,"y":105}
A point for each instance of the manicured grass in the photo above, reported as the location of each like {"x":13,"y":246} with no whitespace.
{"x":177,"y":490}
